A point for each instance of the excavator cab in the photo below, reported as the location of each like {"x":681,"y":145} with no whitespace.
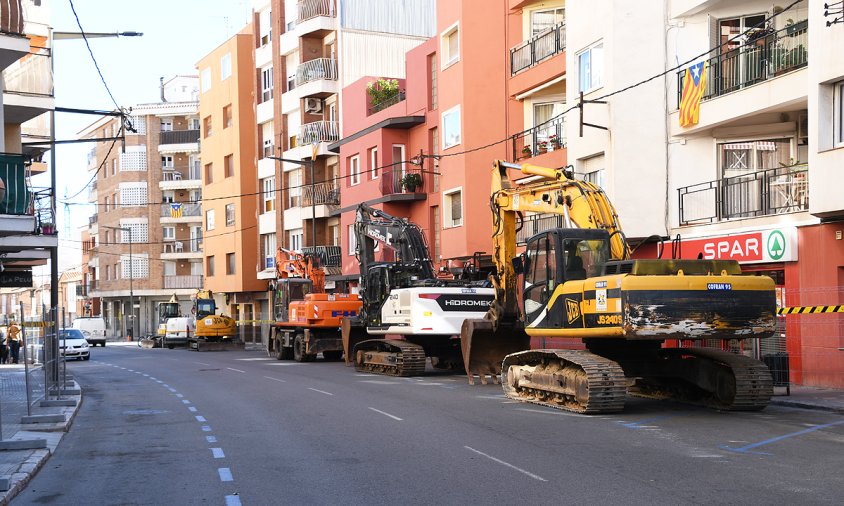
{"x":205,"y":307}
{"x":286,"y":291}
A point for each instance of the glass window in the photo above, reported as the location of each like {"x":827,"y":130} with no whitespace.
{"x":373,"y":163}
{"x":228,"y":166}
{"x":230,"y":263}
{"x":590,"y":63}
{"x":354,"y":170}
{"x":225,"y":66}
{"x":453,"y":206}
{"x":269,"y":194}
{"x":166,"y":125}
{"x":205,"y":79}
{"x":169,"y":268}
{"x":353,"y":240}
{"x":838,"y":102}
{"x":546,"y":19}
{"x":451,"y":127}
{"x":168,"y":233}
{"x":209,"y":173}
{"x":294,"y":239}
{"x":294,"y":185}
{"x":269,"y":245}
{"x":432,"y":68}
{"x":550,"y":133}
{"x":209,"y":265}
{"x":206,"y":124}
{"x":266,"y":84}
{"x":209,"y":219}
{"x":229,"y":215}
{"x":227,"y":116}
{"x":739,"y":158}
{"x":450,"y":44}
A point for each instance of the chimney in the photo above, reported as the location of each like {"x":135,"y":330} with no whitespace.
{"x":161,"y":85}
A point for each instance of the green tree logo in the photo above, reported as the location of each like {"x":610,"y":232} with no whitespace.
{"x":776,"y":245}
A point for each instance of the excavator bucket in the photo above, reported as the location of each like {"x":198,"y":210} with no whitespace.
{"x":485,"y":344}
{"x":353,"y":332}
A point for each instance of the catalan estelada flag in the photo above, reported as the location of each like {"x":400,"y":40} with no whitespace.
{"x":694,"y":84}
{"x":175,"y":210}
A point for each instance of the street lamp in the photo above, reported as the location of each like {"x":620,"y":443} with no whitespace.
{"x":131,"y":280}
{"x":310,"y":164}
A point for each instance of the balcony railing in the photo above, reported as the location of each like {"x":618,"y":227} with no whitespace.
{"x":17,"y":197}
{"x":534,"y":224}
{"x":764,"y":193}
{"x":762,"y":57}
{"x":546,"y":137}
{"x":92,"y":220}
{"x":329,"y":256}
{"x":308,"y":9}
{"x":321,"y":193}
{"x":391,"y":180}
{"x":194,"y":281}
{"x":12,"y":21}
{"x":318,"y":131}
{"x":180,"y":210}
{"x":179,"y":137}
{"x":31,"y":75}
{"x":315,"y":70}
{"x":538,"y":48}
{"x":380,"y":106}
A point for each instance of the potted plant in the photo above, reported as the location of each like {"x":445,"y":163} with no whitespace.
{"x":541,"y":147}
{"x":381,"y":91}
{"x":48,"y":228}
{"x":411,"y":181}
{"x":556,"y":143}
{"x":526,"y":151}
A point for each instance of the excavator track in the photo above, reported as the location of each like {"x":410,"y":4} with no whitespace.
{"x":730,"y":382}
{"x":571,"y":380}
{"x":389,"y":357}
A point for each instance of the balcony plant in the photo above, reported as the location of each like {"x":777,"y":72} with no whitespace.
{"x":411,"y":181}
{"x":48,"y":228}
{"x":555,"y":141}
{"x":541,"y":147}
{"x":382,"y":90}
{"x":526,"y":151}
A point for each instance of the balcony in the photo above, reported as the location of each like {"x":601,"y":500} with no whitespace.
{"x":179,"y":141}
{"x":318,"y":131}
{"x":538,"y":48}
{"x":180,"y":212}
{"x":764,"y":193}
{"x":316,"y":78}
{"x":545,"y":138}
{"x":308,"y":9}
{"x":380,"y":106}
{"x":176,"y":282}
{"x":172,"y":179}
{"x":536,"y":223}
{"x":761,"y":58}
{"x":391,"y":184}
{"x":28,"y":87}
{"x":321,"y":194}
{"x":330,"y":257}
{"x":92,"y":220}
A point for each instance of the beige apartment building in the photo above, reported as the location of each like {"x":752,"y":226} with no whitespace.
{"x":145,"y":239}
{"x":230,"y":183}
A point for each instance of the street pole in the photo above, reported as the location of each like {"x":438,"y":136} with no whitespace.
{"x":131,"y":280}
{"x":313,"y":205}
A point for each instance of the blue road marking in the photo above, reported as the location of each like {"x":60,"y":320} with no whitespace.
{"x":640,"y":424}
{"x":748,"y":448}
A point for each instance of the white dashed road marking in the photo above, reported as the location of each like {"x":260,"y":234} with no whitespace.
{"x":386,"y":414}
{"x":511,"y":466}
{"x":320,"y":391}
{"x":233,"y":369}
{"x":206,"y":428}
{"x":225,"y":474}
{"x":232,"y":500}
{"x":192,"y":409}
{"x":275,"y":379}
{"x":200,"y":418}
{"x":218,"y":453}
{"x":211,"y":439}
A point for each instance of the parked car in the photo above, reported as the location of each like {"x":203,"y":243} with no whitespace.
{"x":73,"y":344}
{"x":93,"y":328}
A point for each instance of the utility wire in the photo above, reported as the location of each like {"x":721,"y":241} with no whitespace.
{"x":149,"y":243}
{"x":91,"y":52}
{"x":105,"y":160}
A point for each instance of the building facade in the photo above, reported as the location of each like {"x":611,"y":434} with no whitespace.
{"x":145,"y":239}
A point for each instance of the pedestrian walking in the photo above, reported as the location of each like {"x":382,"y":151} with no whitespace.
{"x":14,"y":341}
{"x":4,"y":350}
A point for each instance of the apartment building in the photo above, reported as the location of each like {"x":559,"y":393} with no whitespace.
{"x":757,"y":178}
{"x":305,"y":52}
{"x":27,"y":216}
{"x":144,"y":241}
{"x":467,"y":87}
{"x":229,"y":176}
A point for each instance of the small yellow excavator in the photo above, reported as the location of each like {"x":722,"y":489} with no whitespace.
{"x":578,"y":281}
{"x":213,"y":331}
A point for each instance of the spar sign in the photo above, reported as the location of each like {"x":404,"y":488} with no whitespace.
{"x":774,"y":245}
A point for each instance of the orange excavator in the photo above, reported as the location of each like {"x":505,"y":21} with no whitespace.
{"x":307,"y":320}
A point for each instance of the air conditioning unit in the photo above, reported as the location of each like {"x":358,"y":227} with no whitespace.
{"x":313,"y":105}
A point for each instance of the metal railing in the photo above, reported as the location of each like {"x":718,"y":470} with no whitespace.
{"x":318,"y":131}
{"x":392,"y":177}
{"x":538,"y":48}
{"x":31,"y":75}
{"x":180,"y":211}
{"x":538,"y":140}
{"x":307,"y":9}
{"x":315,"y":70}
{"x":380,"y":106}
{"x":762,"y":57}
{"x":169,"y":173}
{"x":42,"y":209}
{"x":763,"y":193}
{"x":536,"y":223}
{"x":179,"y":137}
{"x":321,"y":193}
{"x":329,"y":256}
{"x":12,"y":21}
{"x":92,"y":219}
{"x":192,"y":281}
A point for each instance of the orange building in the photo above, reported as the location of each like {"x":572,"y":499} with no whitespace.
{"x":472,"y":94}
{"x":229,"y":174}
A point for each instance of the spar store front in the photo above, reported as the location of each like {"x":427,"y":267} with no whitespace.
{"x":807,"y":266}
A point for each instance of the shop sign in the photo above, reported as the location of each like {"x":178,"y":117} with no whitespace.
{"x":774,"y":245}
{"x":16,"y":279}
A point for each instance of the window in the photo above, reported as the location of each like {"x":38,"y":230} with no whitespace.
{"x":209,"y":219}
{"x":225,"y":66}
{"x":268,"y":147}
{"x":107,"y":237}
{"x":105,"y":205}
{"x":168,"y":233}
{"x":108,"y":272}
{"x":209,"y":265}
{"x":169,"y":268}
{"x":590,"y":63}
{"x":137,"y":269}
{"x":166,"y":125}
{"x":265,"y":27}
{"x":434,"y":147}
{"x":229,"y":215}
{"x":206,"y":126}
{"x":546,"y":19}
{"x":268,"y":185}
{"x":353,"y":240}
{"x":228,"y":166}
{"x":167,"y":162}
{"x":432,"y":80}
{"x":230,"y":263}
{"x":453,"y":206}
{"x":294,"y":185}
{"x":269,"y":250}
{"x":450,"y":45}
{"x":266,"y":84}
{"x":294,"y":239}
{"x":138,"y":230}
{"x":451,"y":127}
{"x":398,"y":156}
{"x":437,"y":226}
{"x":550,"y":127}
{"x":133,"y":195}
{"x":209,"y":173}
{"x":334,"y":233}
{"x":194,"y":167}
{"x":196,"y":268}
{"x":354,"y":170}
{"x":838,"y":112}
{"x":373,"y":163}
{"x":168,"y":196}
{"x":227,"y":116}
{"x":594,"y":170}
{"x":740,"y":158}
{"x":113,"y":167}
{"x":205,"y":79}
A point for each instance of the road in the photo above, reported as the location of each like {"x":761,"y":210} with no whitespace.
{"x":180,"y":427}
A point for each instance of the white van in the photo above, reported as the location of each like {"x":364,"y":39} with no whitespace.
{"x":93,"y":328}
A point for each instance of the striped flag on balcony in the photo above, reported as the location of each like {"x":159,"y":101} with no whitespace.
{"x":175,"y":210}
{"x":694,"y":84}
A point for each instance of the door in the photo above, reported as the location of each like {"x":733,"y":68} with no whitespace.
{"x":540,"y":278}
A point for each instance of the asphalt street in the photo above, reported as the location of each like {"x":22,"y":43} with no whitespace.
{"x":236,"y":427}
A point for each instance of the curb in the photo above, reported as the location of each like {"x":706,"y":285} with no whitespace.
{"x":807,"y":405}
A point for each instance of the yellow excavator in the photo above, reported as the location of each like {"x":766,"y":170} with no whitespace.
{"x":578,"y":281}
{"x":213,"y":331}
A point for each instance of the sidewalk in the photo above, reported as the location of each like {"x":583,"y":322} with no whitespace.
{"x":810,"y":398}
{"x":48,"y":425}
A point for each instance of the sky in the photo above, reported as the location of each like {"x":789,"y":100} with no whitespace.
{"x":177,"y":34}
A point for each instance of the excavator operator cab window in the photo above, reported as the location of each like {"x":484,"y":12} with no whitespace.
{"x":205,"y":307}
{"x":584,"y":258}
{"x":540,"y":273}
